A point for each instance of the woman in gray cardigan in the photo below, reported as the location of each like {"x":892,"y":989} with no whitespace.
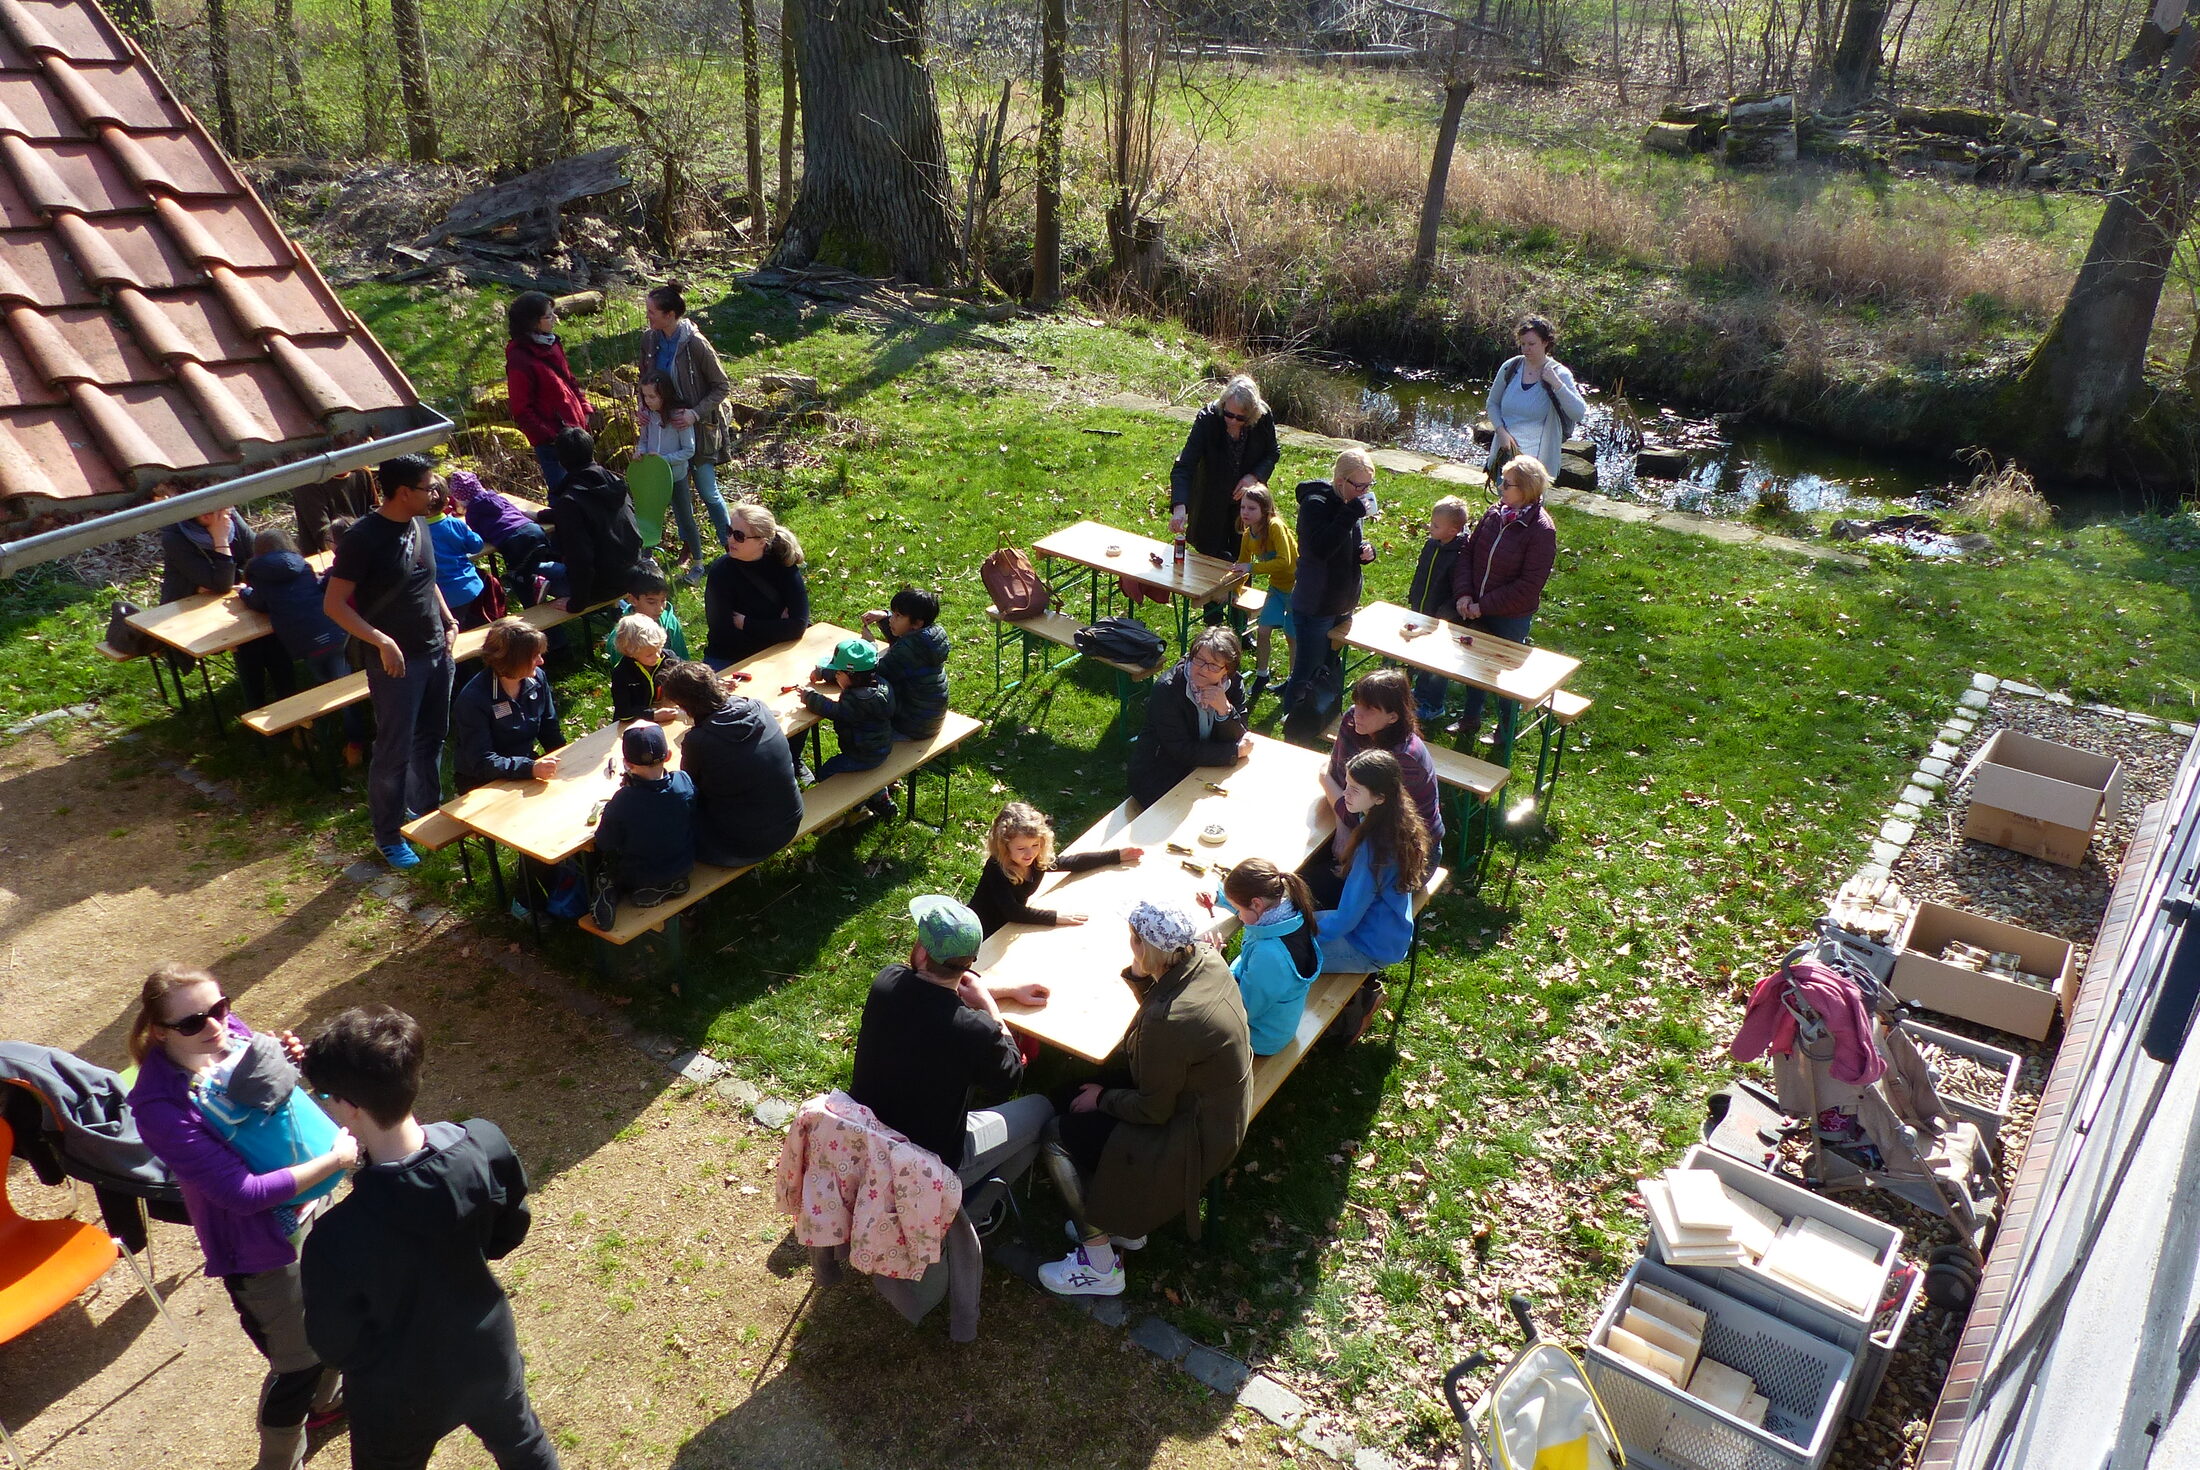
{"x":1533,"y":403}
{"x":673,"y":348}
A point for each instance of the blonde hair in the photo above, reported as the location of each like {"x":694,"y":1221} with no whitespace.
{"x":1450,"y":505}
{"x":510,"y":645}
{"x":1020,"y":819}
{"x":756,"y":518}
{"x":1531,"y":469}
{"x":1242,"y":390}
{"x":1351,"y":459}
{"x":169,"y":977}
{"x":637,"y":635}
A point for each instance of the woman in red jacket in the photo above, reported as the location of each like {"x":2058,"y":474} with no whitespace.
{"x":545,"y":399}
{"x":1498,"y":584}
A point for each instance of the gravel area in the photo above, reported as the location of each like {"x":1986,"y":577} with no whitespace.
{"x":1939,"y":866}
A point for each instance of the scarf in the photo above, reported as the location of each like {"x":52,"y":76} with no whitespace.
{"x":545,"y":339}
{"x":1508,"y":514}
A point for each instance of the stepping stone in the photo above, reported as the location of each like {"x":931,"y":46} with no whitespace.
{"x":1906,"y":811}
{"x":1401,"y":461}
{"x":1987,"y":682}
{"x":2029,"y":691}
{"x":1914,"y":795}
{"x":1926,"y":780}
{"x":774,"y":1112}
{"x":1897,"y":831}
{"x":1933,"y":765}
{"x":1161,"y":1339}
{"x":1271,"y":1400}
{"x":1885,"y":853}
{"x":1733,"y":533}
{"x":1973,"y":699}
{"x":1460,"y":474}
{"x":2062,"y":699}
{"x":1218,"y":1370}
{"x":1943,"y":752}
{"x":1613,"y":510}
{"x":2184,"y":731}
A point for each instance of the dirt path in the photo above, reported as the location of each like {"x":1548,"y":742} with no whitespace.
{"x":663,"y":1313}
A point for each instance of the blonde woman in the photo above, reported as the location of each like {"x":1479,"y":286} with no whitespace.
{"x":754,"y":596}
{"x":1497,"y":583}
{"x":1232,"y":446}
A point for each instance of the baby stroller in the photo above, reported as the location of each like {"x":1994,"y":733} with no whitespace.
{"x":1892,"y":1130}
{"x":1540,"y":1414}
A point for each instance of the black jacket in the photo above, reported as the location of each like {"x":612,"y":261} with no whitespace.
{"x":915,"y":667}
{"x":281,"y":585}
{"x":1430,"y":591}
{"x":999,"y":899}
{"x":397,"y":1284}
{"x":595,"y":534}
{"x":1329,"y":552}
{"x":497,"y":739}
{"x":747,"y":805}
{"x":1171,"y":747}
{"x":189,"y":562}
{"x":646,"y":836}
{"x":920,"y":1053}
{"x":863,"y":719}
{"x":633,"y":690}
{"x":772,"y":598}
{"x":1204,"y":478}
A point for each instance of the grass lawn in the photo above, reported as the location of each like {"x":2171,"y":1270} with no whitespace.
{"x":1753,"y":717}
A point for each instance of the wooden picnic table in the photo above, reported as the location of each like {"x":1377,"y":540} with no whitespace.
{"x":205,"y":624}
{"x":1105,"y":551}
{"x":1516,"y":671}
{"x":549,"y":821}
{"x":1273,"y":808}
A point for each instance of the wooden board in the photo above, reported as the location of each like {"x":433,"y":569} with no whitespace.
{"x":201,"y":624}
{"x":1274,"y":809}
{"x":1514,"y":670}
{"x":1202,"y":578}
{"x":549,"y":820}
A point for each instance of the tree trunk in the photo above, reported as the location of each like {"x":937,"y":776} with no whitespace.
{"x":1046,"y":232}
{"x":1856,"y":59}
{"x":875,"y":186}
{"x":752,"y":115}
{"x":1122,"y":226}
{"x":217,"y":62}
{"x":286,"y":48}
{"x":790,"y":90}
{"x":1439,"y":178}
{"x":2080,"y":380}
{"x":412,"y":79}
{"x":372,"y":107}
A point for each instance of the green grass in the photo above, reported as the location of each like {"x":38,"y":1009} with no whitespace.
{"x":1753,"y":718}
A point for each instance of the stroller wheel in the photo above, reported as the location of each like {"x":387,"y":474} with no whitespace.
{"x":1949,"y":1286}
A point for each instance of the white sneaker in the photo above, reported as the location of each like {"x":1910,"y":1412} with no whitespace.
{"x":1120,"y":1242}
{"x":1075,"y":1275}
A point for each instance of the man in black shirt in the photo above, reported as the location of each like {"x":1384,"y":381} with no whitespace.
{"x":931,"y":1034}
{"x":382,"y":591}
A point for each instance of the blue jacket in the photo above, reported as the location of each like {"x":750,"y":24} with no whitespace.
{"x":1273,"y":979}
{"x":646,"y":835}
{"x":455,"y":548}
{"x":914,"y":666}
{"x":281,"y":585}
{"x":497,"y":739}
{"x":1371,"y":915}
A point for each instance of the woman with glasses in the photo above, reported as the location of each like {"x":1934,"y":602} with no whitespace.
{"x":183,"y":1040}
{"x":754,"y":596}
{"x":1232,"y":446}
{"x":1533,"y":403}
{"x":1497,"y":583}
{"x":1194,"y":717}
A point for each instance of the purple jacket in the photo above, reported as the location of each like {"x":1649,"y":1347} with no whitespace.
{"x":231,"y":1207}
{"x":1414,"y":763}
{"x":488,"y":514}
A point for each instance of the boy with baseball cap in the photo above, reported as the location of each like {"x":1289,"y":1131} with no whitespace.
{"x":931,"y":1033}
{"x":646,"y":836}
{"x":863,"y":715}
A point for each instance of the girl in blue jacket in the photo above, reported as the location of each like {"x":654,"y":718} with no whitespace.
{"x":1383,"y":862}
{"x":1277,"y":955}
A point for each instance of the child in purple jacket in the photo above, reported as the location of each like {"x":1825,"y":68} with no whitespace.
{"x":183,"y":1038}
{"x":512,"y":533}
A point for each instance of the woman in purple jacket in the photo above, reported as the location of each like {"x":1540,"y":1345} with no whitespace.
{"x":183,"y":1036}
{"x":1497,"y":584}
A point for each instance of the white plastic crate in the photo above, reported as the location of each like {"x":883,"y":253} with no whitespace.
{"x":1770,"y":1293}
{"x":1879,"y":1352}
{"x":1804,"y":1377}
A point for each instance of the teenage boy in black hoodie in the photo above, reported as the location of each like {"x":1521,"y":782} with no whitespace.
{"x":592,"y":524}
{"x":396,"y":1276}
{"x":914,"y":664}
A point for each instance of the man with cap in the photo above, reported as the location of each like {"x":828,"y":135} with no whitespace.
{"x":932,"y":1033}
{"x":645,"y":839}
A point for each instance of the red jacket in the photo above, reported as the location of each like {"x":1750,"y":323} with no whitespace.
{"x":1506,"y":565}
{"x":544,"y":396}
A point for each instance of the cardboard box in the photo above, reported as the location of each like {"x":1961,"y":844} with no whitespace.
{"x":2007,"y":1005}
{"x":2036,"y":797}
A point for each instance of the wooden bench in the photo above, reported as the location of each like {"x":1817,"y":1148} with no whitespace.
{"x":436,"y":831}
{"x":1474,"y":816}
{"x":822,"y":805}
{"x":115,"y":655}
{"x":1034,"y":633}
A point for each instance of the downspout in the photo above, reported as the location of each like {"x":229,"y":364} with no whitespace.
{"x":50,"y":545}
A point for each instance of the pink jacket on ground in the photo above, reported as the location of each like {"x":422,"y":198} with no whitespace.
{"x":1770,"y":1027}
{"x":848,"y":1178}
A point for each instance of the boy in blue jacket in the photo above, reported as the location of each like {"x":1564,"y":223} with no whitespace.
{"x":914,"y":664}
{"x":646,"y":836}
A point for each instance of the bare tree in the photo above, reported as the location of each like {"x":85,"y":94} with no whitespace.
{"x":1046,"y":232}
{"x":217,"y":65}
{"x":1153,"y":63}
{"x":1856,"y":60}
{"x":412,"y":79}
{"x":752,"y":115}
{"x":789,"y":95}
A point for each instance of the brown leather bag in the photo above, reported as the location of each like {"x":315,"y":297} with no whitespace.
{"x":1015,"y":588}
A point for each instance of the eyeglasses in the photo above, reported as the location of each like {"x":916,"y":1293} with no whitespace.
{"x":1359,"y":484}
{"x":1237,"y":418}
{"x":193,"y":1024}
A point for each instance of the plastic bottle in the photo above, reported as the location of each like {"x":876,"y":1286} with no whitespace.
{"x":1178,"y":552}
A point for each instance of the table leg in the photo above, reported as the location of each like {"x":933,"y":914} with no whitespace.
{"x":1508,"y":713}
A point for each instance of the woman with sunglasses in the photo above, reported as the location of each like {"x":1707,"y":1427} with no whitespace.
{"x":754,"y":597}
{"x":1232,"y":445}
{"x":184,"y":1034}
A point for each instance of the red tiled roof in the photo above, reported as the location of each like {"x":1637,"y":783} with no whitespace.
{"x":156,"y":326}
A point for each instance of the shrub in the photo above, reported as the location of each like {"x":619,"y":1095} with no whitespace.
{"x":2003,"y":496}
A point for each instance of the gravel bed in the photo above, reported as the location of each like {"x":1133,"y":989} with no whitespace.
{"x":1938,"y":866}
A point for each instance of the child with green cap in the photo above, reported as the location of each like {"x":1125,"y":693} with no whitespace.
{"x":863,"y":715}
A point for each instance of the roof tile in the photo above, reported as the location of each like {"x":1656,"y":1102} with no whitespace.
{"x":124,"y":250}
{"x":90,"y":180}
{"x":226,"y":232}
{"x":297,"y":301}
{"x":173,"y":163}
{"x":34,"y":268}
{"x":122,"y":93}
{"x":260,"y":401}
{"x":15,"y":211}
{"x":20,"y":382}
{"x":104,"y":343}
{"x":32,"y":108}
{"x":190,"y":324}
{"x":366,"y":380}
{"x":65,"y":28}
{"x":148,"y":426}
{"x":48,"y":452}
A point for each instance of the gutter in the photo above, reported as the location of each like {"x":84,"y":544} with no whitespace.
{"x":51,"y":545}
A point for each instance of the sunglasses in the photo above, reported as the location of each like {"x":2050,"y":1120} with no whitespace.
{"x":193,"y":1024}
{"x":1237,"y":418}
{"x":737,"y":536}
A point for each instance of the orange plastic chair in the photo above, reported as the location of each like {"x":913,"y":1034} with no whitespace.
{"x":46,"y":1264}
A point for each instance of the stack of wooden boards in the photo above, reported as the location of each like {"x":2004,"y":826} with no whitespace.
{"x":1698,"y":1220}
{"x":1663,"y":1334}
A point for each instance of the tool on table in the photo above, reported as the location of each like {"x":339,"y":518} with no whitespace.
{"x":740,"y":676}
{"x":1217,"y":790}
{"x":1197,"y":870}
{"x":1466,"y":640}
{"x":1206,"y":901}
{"x":1180,"y":849}
{"x":1155,"y":558}
{"x":789,"y":688}
{"x":595,"y":813}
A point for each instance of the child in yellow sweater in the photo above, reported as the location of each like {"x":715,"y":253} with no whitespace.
{"x":1266,"y":548}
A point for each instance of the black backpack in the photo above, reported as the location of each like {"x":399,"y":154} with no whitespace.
{"x":1121,"y":640}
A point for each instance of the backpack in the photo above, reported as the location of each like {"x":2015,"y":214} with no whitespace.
{"x":123,"y":636}
{"x":1015,"y":588}
{"x":1121,"y":640}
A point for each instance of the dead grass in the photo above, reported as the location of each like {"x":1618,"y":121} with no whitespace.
{"x":2004,"y":496}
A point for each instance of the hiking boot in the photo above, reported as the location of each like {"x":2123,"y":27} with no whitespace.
{"x":1117,"y":1242}
{"x":1075,"y":1275}
{"x":1258,"y":687}
{"x":649,"y":898}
